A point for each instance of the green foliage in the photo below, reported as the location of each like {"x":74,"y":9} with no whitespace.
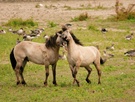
{"x":81,"y":17}
{"x":20,"y":22}
{"x":51,"y":24}
{"x":126,"y":16}
{"x":92,"y":27}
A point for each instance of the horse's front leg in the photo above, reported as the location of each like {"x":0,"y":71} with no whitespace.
{"x":89,"y":71}
{"x":46,"y":74}
{"x":54,"y":74}
{"x":72,"y":70}
{"x":75,"y":70}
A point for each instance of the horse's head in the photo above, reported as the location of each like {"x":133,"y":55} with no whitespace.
{"x":60,"y":39}
{"x":66,"y":35}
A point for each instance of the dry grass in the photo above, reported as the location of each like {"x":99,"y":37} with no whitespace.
{"x":124,"y":13}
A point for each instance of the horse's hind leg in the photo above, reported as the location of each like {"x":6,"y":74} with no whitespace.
{"x":89,"y":72}
{"x":21,"y":73}
{"x":97,"y":65}
{"x":17,"y":72}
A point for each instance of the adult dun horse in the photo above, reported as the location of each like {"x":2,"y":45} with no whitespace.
{"x":81,"y":56}
{"x":43,"y":54}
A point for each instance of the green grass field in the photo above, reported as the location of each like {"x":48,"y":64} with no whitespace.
{"x":118,"y":73}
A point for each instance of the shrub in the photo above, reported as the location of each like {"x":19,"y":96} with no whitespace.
{"x":20,"y":22}
{"x":124,"y":13}
{"x":81,"y":17}
{"x":51,"y":24}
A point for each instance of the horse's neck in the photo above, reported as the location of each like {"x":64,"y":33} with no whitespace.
{"x":56,"y":50}
{"x":71,"y":46}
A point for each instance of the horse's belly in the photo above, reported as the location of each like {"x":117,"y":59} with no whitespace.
{"x":37,"y":61}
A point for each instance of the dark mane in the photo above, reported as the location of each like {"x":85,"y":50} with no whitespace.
{"x":76,"y":40}
{"x":51,"y":43}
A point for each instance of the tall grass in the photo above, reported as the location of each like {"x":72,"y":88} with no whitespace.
{"x":20,"y":22}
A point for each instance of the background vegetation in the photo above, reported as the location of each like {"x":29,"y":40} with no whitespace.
{"x":118,"y":73}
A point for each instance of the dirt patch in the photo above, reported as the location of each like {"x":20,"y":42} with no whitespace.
{"x":56,"y":10}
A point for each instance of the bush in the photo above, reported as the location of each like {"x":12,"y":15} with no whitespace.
{"x":20,"y":22}
{"x":124,"y":13}
{"x":81,"y":17}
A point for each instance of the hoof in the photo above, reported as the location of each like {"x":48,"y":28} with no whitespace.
{"x":54,"y":82}
{"x":45,"y":83}
{"x":18,"y":82}
{"x":88,"y":81}
{"x":23,"y":83}
{"x":99,"y":82}
{"x":78,"y":84}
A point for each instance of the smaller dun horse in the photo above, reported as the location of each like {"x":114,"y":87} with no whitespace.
{"x":43,"y":54}
{"x":81,"y":56}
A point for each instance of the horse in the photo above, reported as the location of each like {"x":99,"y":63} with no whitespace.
{"x":81,"y":56}
{"x":39,"y":53}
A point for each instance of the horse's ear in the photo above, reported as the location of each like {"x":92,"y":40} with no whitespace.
{"x":58,"y":34}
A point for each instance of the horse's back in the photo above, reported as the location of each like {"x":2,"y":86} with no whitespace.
{"x":86,"y":55}
{"x":31,"y":50}
{"x":28,"y":47}
{"x":91,"y":51}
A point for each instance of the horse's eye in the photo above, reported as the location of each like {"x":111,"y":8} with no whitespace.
{"x":65,"y":37}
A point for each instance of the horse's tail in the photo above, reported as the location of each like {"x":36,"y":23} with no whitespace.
{"x":102,"y":61}
{"x":12,"y":59}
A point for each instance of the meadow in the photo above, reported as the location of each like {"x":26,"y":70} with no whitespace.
{"x":118,"y":73}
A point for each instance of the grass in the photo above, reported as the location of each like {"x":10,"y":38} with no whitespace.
{"x":51,"y":24}
{"x":86,"y":7}
{"x":117,"y":73}
{"x":20,"y":22}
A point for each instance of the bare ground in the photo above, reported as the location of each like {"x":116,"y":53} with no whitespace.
{"x":56,"y":10}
